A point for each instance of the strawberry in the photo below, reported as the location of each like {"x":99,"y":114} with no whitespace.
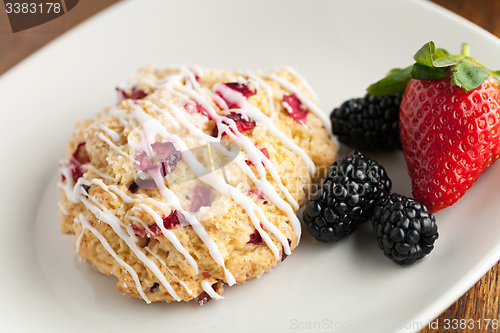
{"x":449,"y":122}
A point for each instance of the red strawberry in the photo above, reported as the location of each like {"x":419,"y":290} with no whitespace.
{"x":449,"y":137}
{"x":449,"y":122}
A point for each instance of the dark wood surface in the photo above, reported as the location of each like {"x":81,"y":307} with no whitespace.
{"x":14,"y":47}
{"x":478,"y":305}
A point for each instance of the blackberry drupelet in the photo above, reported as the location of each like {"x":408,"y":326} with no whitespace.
{"x":405,"y":229}
{"x":370,"y":123}
{"x":346,"y":198}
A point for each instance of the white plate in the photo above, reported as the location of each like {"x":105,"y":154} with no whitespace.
{"x":341,"y":47}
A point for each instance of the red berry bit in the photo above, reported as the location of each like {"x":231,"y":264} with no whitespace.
{"x":154,"y":287}
{"x":242,"y":88}
{"x":257,"y":193}
{"x":122,"y":95}
{"x":242,"y":124}
{"x":193,"y":107}
{"x":76,"y":161}
{"x":235,"y":93}
{"x":174,"y":219}
{"x":283,"y":254}
{"x":86,"y":188}
{"x":76,"y":171}
{"x":152,"y":231}
{"x":256,"y":238}
{"x":164,"y":158}
{"x":202,"y":197}
{"x":204,"y":298}
{"x":133,"y":187}
{"x":138,"y":93}
{"x":134,"y":94}
{"x":295,"y":108}
{"x":266,"y":154}
{"x":171,"y":221}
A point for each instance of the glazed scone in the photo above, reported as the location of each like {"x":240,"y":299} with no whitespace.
{"x":193,"y":180}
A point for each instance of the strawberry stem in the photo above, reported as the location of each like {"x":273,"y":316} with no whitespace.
{"x":465,"y":50}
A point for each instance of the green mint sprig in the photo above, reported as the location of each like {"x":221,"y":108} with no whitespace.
{"x":433,"y":63}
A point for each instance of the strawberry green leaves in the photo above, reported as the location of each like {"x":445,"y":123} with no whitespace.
{"x":394,"y":82}
{"x":429,"y":56}
{"x":433,"y":63}
{"x":468,"y":75}
{"x":422,"y":72}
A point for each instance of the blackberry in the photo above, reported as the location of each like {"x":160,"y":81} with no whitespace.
{"x":405,"y":229}
{"x":370,"y":123}
{"x":347,"y":197}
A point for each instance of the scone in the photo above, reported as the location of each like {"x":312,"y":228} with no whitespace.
{"x":193,"y":180}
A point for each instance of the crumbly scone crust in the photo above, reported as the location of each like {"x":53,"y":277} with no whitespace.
{"x":110,"y":168}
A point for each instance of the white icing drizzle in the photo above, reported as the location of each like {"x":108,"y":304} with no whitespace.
{"x":89,"y":166}
{"x":100,"y":183}
{"x":112,"y":145}
{"x":256,"y":155}
{"x":155,"y":127}
{"x":140,"y":199}
{"x":257,"y":158}
{"x":303,"y":81}
{"x":152,"y":128}
{"x":172,"y":200}
{"x":218,"y":183}
{"x":310,"y":104}
{"x":313,"y":93}
{"x":207,"y":287}
{"x":104,"y":215}
{"x":257,"y":115}
{"x":79,"y":239}
{"x":62,"y":208}
{"x":72,"y":192}
{"x":86,"y":226}
{"x":112,"y":134}
{"x":287,"y":107}
{"x":189,"y":291}
{"x":136,"y":219}
{"x":197,"y":227}
{"x":170,"y":236}
{"x":253,"y":152}
{"x":269,"y":191}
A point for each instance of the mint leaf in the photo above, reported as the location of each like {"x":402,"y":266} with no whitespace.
{"x":468,"y":75}
{"x":394,"y":82}
{"x":424,"y":55}
{"x":440,"y":53}
{"x":394,"y":70}
{"x":422,"y":72}
{"x":433,"y":64}
{"x":429,"y":56}
{"x":447,"y":61}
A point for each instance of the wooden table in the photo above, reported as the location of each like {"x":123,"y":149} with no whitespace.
{"x":479,"y":303}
